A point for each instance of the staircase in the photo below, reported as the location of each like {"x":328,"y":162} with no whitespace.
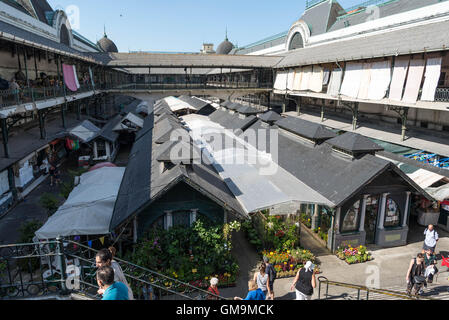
{"x":66,"y":270}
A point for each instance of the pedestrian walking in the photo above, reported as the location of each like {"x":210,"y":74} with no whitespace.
{"x":109,"y":288}
{"x":430,"y":261}
{"x":254,"y":293}
{"x":213,"y":289}
{"x":272,"y":274}
{"x":305,"y":282}
{"x":52,"y":172}
{"x":430,"y":242}
{"x":415,"y":274}
{"x":105,"y":257}
{"x":262,"y":280}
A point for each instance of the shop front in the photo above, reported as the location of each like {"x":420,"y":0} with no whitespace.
{"x":374,"y":219}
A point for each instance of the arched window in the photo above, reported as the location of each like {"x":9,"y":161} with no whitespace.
{"x":64,"y":35}
{"x":296,"y":42}
{"x":351,"y":218}
{"x":392,"y":214}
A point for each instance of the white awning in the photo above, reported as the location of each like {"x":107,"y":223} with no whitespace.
{"x":89,"y":208}
{"x":425,"y":178}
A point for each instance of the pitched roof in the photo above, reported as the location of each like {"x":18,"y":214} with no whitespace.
{"x":354,"y":143}
{"x":322,"y":170}
{"x":234,"y":106}
{"x":269,"y":116}
{"x":248,"y":110}
{"x":107,"y":132}
{"x":305,"y":128}
{"x":178,"y":152}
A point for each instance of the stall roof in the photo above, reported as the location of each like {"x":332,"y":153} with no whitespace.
{"x":269,"y":116}
{"x":89,"y":208}
{"x":255,"y":191}
{"x":353,"y":142}
{"x":322,"y":169}
{"x":108,"y":131}
{"x":305,"y":128}
{"x":86,"y":131}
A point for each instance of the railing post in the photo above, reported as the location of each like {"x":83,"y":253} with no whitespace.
{"x":61,"y":257}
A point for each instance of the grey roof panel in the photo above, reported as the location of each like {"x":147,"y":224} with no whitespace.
{"x":248,"y":110}
{"x":270,"y":116}
{"x":305,"y":128}
{"x":353,"y":142}
{"x":426,"y":38}
{"x":382,"y":10}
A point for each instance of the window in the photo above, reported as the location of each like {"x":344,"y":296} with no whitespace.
{"x":64,"y":35}
{"x":392,"y":214}
{"x":296,"y":42}
{"x":350,"y":221}
{"x":101,"y":148}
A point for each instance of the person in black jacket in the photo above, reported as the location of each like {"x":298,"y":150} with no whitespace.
{"x":272,"y":275}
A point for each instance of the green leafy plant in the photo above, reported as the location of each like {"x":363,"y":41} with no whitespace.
{"x":27,"y":231}
{"x":67,"y":187}
{"x":49,"y":202}
{"x":192,"y":255}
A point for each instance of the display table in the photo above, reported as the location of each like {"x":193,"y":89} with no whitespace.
{"x":427,"y":217}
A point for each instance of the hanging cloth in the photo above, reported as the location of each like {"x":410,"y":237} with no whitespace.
{"x":380,"y":80}
{"x":432,"y":77}
{"x":352,"y":78}
{"x":414,"y":80}
{"x":76,"y":77}
{"x":398,"y":81}
{"x":91,"y":77}
{"x":333,"y":88}
{"x":69,"y":77}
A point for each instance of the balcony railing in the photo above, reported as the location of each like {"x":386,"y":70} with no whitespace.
{"x":442,"y":95}
{"x":30,"y":94}
{"x":61,"y":267}
{"x":181,"y":86}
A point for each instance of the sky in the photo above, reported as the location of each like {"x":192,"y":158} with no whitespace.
{"x":181,"y":25}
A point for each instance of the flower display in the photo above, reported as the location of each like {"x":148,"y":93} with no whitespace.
{"x":287,"y":263}
{"x":353,"y":255}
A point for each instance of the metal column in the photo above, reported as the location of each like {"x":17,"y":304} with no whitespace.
{"x":5,"y":137}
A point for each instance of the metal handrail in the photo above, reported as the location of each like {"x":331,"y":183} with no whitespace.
{"x":128,"y":265}
{"x":17,"y":277}
{"x":359,"y":288}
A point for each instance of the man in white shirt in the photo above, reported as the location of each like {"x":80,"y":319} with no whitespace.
{"x":431,"y":239}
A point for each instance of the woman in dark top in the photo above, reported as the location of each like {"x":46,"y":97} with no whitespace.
{"x":416,"y":269}
{"x":430,"y":259}
{"x":304,"y":282}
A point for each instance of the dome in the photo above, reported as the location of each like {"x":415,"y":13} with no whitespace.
{"x":107,"y":45}
{"x":225,"y":47}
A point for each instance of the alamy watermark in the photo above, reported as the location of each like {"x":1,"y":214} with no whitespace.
{"x":223,"y":147}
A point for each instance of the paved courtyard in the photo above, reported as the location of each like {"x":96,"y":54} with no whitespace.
{"x":386,"y":271}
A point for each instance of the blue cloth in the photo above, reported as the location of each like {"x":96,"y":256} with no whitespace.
{"x":255,"y":295}
{"x":117,"y":291}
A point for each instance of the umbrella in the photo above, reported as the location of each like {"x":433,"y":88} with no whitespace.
{"x":102,"y":165}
